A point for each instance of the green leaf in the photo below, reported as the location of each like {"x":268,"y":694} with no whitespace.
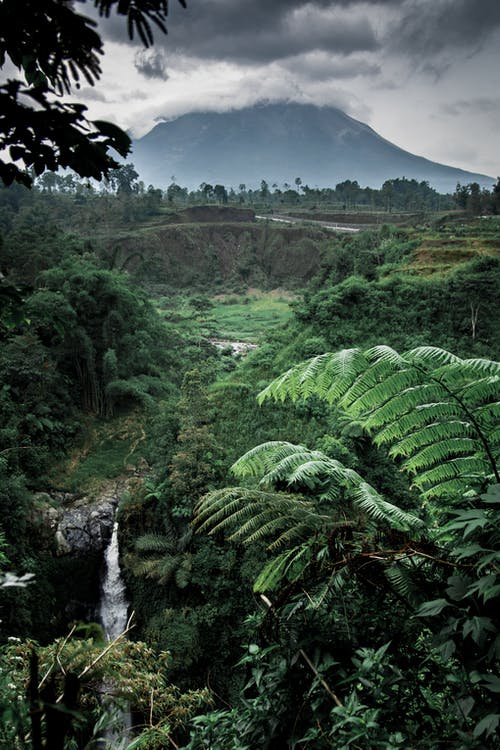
{"x":487,"y":725}
{"x":476,"y":627}
{"x":432,"y":608}
{"x":458,"y":587}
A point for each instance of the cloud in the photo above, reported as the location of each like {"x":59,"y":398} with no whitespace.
{"x":92,"y":94}
{"x":151,"y":63}
{"x":256,"y":31}
{"x":321,"y":66}
{"x":482,"y":105}
{"x":251,"y":32}
{"x":420,"y":72}
{"x":435,"y":27}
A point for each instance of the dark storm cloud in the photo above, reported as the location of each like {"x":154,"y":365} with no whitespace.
{"x":317,"y":66}
{"x":262,"y":31}
{"x":257,"y":31}
{"x":431,"y":27}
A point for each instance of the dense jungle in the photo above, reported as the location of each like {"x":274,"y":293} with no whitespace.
{"x":295,"y":424}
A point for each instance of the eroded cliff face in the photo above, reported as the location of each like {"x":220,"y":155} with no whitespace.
{"x":79,"y":525}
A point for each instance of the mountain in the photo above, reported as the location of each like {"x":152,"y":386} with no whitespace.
{"x":279,"y":142}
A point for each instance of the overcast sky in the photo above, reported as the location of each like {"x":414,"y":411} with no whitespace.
{"x":423,"y":73}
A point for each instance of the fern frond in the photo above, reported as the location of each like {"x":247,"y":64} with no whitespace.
{"x":307,"y":383}
{"x":440,"y":451}
{"x":422,"y":416}
{"x":364,"y":381}
{"x":261,"y":459}
{"x":285,"y":469}
{"x":250,"y":515}
{"x":401,"y":580}
{"x":311,"y":469}
{"x":260,"y":525}
{"x":145,"y":568}
{"x":183,"y":572}
{"x":481,"y":391}
{"x":276,"y":570}
{"x":469,"y":470}
{"x":154,"y":543}
{"x":306,"y":527}
{"x":288,"y":385}
{"x":428,"y":435}
{"x":381,"y":392}
{"x":337,"y":378}
{"x":371,"y":503}
{"x":337,"y":581}
{"x":216,"y":505}
{"x":430,"y":355}
{"x":451,"y":489}
{"x":409,"y":399}
{"x":384,"y":353}
{"x":166,"y":568}
{"x":327,"y":376}
{"x":482,"y":366}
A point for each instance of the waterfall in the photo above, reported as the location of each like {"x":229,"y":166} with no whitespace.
{"x":113,"y":605}
{"x":113,"y":616}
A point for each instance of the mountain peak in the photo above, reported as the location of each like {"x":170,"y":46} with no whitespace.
{"x":277,"y":143}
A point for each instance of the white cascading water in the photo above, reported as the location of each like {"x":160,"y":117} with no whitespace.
{"x":114,"y":605}
{"x":113,"y":616}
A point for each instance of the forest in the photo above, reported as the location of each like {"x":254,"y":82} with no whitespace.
{"x":309,"y":529}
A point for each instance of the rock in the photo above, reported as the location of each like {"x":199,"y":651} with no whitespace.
{"x":85,"y":528}
{"x":79,"y":525}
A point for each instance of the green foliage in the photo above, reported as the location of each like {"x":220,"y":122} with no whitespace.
{"x":467,"y":615}
{"x":335,"y":540}
{"x":138,"y":675}
{"x":85,"y":314}
{"x":436,"y":410}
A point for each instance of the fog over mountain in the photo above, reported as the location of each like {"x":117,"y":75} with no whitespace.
{"x":279,"y":142}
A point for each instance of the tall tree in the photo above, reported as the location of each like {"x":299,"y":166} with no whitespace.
{"x":54,"y":47}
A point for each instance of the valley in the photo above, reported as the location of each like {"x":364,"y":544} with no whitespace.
{"x":251,"y":527}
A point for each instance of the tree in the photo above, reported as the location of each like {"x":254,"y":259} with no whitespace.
{"x":207,"y":190}
{"x":124,"y":179}
{"x":220,"y":193}
{"x":495,"y":197}
{"x":194,"y":467}
{"x":474,"y":199}
{"x":54,"y":47}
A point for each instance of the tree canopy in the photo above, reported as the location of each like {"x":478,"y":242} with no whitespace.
{"x":54,"y":48}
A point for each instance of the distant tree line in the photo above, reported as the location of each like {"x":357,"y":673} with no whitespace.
{"x":399,"y":194}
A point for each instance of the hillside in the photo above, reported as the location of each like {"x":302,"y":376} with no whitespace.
{"x":279,"y":142}
{"x":213,"y":255}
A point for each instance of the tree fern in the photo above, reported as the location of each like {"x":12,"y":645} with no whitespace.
{"x":341,"y":502}
{"x":249,"y":515}
{"x":437,"y":411}
{"x":162,"y":556}
{"x":277,"y":569}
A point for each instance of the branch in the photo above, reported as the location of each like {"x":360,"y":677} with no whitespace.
{"x":309,"y":663}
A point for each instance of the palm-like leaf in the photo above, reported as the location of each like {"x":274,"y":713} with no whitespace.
{"x":155,"y":543}
{"x":163,"y":557}
{"x":437,"y":411}
{"x":249,"y":515}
